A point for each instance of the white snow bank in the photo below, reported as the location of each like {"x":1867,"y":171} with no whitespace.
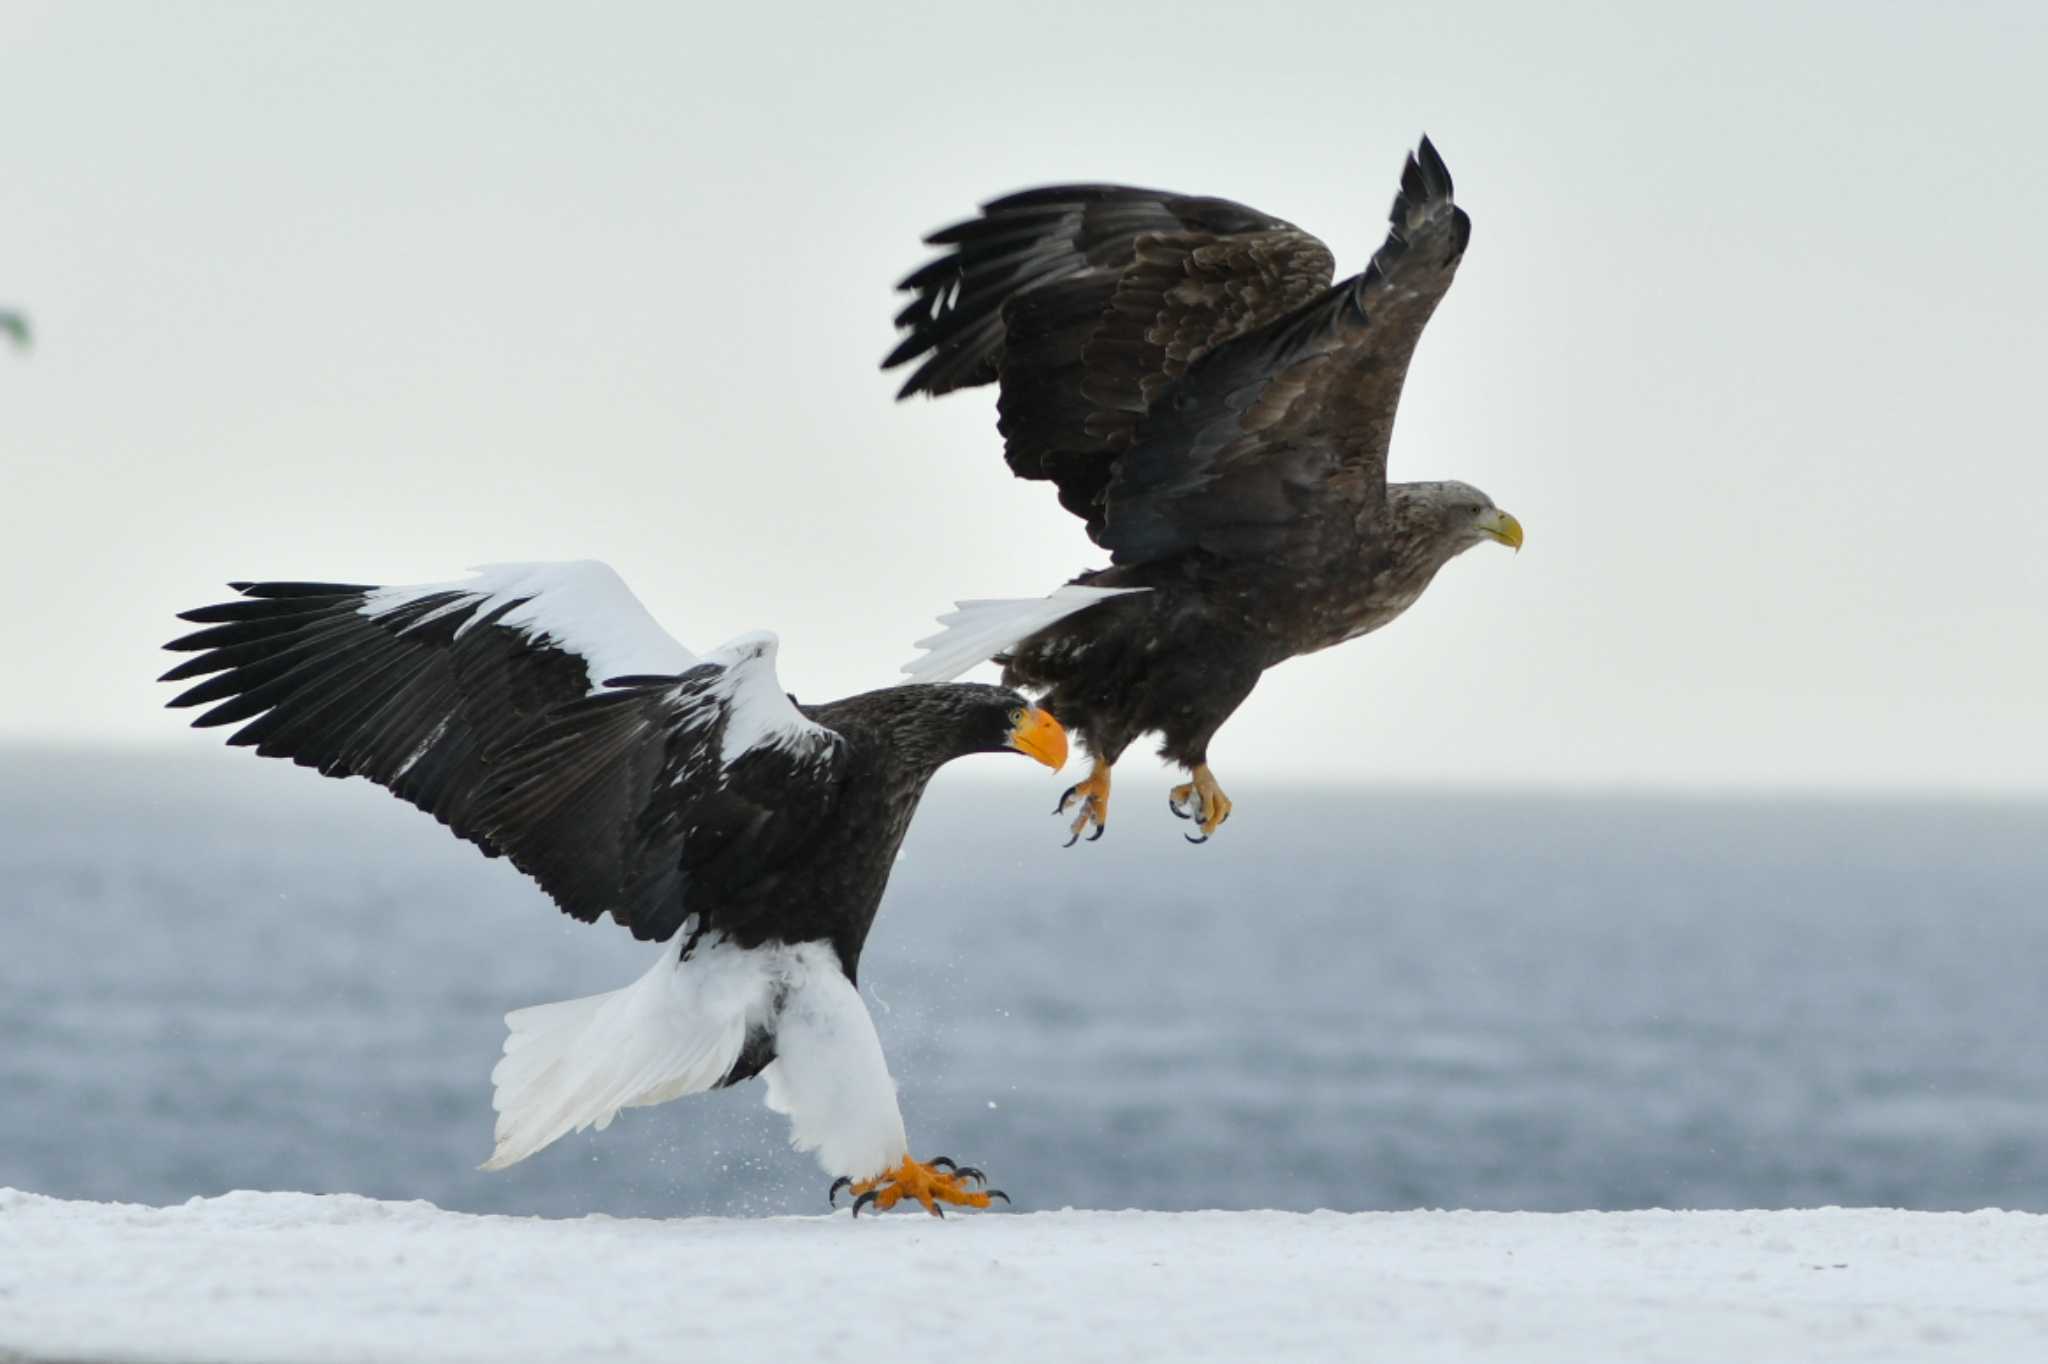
{"x":286,"y":1277}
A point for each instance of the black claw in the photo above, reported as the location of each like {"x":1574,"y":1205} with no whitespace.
{"x":936,"y":1212}
{"x":863,"y":1201}
{"x":1192,"y":839}
{"x":1072,"y":841}
{"x":1100,"y":830}
{"x":998,"y":1193}
{"x":969,"y":1172}
{"x":1174,"y":806}
{"x":1067,"y":796}
{"x":832,"y":1195}
{"x":943,"y":1162}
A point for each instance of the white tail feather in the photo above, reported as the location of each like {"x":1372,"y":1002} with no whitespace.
{"x":979,"y":630}
{"x":675,"y":1031}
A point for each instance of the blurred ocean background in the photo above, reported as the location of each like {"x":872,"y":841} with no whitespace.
{"x":221,"y":973}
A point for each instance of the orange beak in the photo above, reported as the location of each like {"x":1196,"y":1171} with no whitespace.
{"x":1040,"y":736}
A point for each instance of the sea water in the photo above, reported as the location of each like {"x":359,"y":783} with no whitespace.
{"x":220,"y":973}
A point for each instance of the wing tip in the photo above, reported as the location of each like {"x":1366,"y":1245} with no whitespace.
{"x":1424,"y":200}
{"x":1432,"y":166}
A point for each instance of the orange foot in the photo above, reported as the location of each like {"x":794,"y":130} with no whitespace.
{"x":1093,"y":794}
{"x":1201,"y":800}
{"x":941,"y":1181}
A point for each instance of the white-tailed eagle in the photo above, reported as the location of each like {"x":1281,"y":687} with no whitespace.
{"x":1183,"y":371}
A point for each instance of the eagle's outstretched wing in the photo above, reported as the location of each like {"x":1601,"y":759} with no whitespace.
{"x":1181,"y":367}
{"x":1088,"y":302}
{"x":538,"y":711}
{"x":1271,"y":427}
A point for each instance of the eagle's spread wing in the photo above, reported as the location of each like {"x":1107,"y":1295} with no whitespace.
{"x":1088,"y":302}
{"x":1186,"y":376}
{"x":540,"y":713}
{"x":1267,"y":427}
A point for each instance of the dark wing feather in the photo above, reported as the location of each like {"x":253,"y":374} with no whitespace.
{"x":1022,"y":241}
{"x":409,"y":698}
{"x":1087,"y":301}
{"x":480,"y":707}
{"x":623,"y":804}
{"x":1292,"y":421}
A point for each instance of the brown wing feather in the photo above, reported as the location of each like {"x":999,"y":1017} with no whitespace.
{"x":1088,"y":302}
{"x":1292,"y":421}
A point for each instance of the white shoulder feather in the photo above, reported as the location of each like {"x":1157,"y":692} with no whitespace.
{"x":582,"y":608}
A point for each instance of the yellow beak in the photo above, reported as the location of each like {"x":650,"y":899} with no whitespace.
{"x":1503,"y":528}
{"x":1039,"y":736}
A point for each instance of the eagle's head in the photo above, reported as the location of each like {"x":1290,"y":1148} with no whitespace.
{"x":930,"y":724}
{"x":1461,"y":516}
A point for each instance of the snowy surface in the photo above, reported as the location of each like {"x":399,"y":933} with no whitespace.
{"x":286,"y":1277}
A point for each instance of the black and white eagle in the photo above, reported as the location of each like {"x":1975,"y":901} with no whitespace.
{"x":1186,"y":375}
{"x":540,"y":713}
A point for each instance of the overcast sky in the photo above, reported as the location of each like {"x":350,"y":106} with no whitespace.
{"x":1750,"y":336}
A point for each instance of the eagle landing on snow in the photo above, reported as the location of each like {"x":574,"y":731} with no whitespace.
{"x":1186,"y":376}
{"x":539,"y":712}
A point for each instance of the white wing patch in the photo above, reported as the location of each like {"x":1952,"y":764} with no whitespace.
{"x":758,"y":713}
{"x":583,"y":608}
{"x":979,"y":630}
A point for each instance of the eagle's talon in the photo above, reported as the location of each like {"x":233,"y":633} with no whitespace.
{"x":832,"y":1194}
{"x":1201,"y":800}
{"x":1093,"y":794}
{"x":928,"y":1183}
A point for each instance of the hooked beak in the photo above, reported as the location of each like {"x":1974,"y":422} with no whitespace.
{"x":1038,"y":735}
{"x":1498,"y":525}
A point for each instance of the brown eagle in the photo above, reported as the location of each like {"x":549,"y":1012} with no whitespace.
{"x":1183,"y":371}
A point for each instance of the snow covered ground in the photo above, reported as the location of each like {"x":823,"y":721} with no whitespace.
{"x":279,"y":1277}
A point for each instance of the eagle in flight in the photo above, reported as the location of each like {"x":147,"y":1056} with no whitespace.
{"x":1185,"y":374}
{"x":539,"y":712}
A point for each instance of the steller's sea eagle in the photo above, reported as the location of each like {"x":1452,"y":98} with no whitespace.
{"x":1184,"y":373}
{"x":540,"y":712}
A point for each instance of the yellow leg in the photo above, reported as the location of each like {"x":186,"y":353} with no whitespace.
{"x":1201,"y":800}
{"x":1093,"y":796}
{"x":929,"y":1183}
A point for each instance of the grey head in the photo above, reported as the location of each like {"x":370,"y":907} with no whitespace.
{"x":1450,"y":517}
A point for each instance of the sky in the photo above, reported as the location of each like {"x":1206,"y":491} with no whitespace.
{"x":1749,"y":337}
